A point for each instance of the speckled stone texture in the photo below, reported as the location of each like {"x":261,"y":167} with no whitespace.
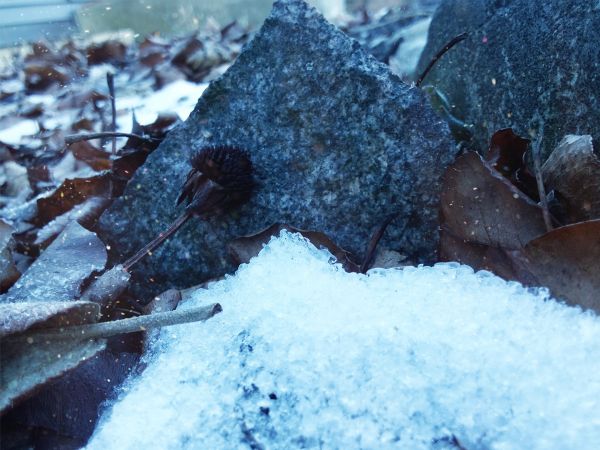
{"x":525,"y":62}
{"x":338,"y":143}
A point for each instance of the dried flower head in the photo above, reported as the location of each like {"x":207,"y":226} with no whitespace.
{"x":220,"y":179}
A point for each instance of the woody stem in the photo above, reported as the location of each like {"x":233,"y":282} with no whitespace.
{"x":146,"y":249}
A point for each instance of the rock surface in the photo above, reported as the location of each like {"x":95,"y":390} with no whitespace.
{"x":338,"y":143}
{"x":525,"y":62}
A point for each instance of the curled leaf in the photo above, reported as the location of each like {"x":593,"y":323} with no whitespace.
{"x":573,"y":170}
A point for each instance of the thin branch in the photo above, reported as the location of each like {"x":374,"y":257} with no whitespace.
{"x":110,"y":80}
{"x":537,"y":168}
{"x":375,"y":241}
{"x":72,"y":138}
{"x":123,"y":326}
{"x":146,"y":249}
{"x":448,"y":46}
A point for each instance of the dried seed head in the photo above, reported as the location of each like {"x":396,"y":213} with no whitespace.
{"x":220,"y":179}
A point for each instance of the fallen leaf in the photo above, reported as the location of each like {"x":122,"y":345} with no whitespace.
{"x":507,"y":154}
{"x":61,"y":269}
{"x":73,"y":192}
{"x":85,"y":214}
{"x":25,"y":366}
{"x":8,"y":271}
{"x":112,"y":51}
{"x":567,"y":261}
{"x":106,"y":289}
{"x":573,"y":170}
{"x":247,"y":247}
{"x":94,"y":157}
{"x":480,"y":206}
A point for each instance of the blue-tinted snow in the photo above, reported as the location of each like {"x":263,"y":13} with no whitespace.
{"x":305,"y":355}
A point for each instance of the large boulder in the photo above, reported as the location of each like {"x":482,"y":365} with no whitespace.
{"x":338,"y":143}
{"x":525,"y":63}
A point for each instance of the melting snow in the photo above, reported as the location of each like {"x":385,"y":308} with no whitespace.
{"x":305,"y":355}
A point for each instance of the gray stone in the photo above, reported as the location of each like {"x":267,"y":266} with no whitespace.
{"x":526,"y":62}
{"x":338,"y":143}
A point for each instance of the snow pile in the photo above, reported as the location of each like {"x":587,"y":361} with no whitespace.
{"x":305,"y":355}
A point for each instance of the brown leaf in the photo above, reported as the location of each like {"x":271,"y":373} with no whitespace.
{"x":247,"y":247}
{"x":567,"y":261}
{"x":573,"y":170}
{"x":478,"y":256}
{"x":61,"y":269}
{"x":24,"y":366}
{"x":106,"y":289}
{"x":71,"y":193}
{"x":480,"y":206}
{"x":111,"y":51}
{"x":507,"y":155}
{"x":41,"y":75}
{"x":8,"y":271}
{"x":94,"y":157}
{"x":85,"y":214}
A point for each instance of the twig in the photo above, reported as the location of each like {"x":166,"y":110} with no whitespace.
{"x":157,"y":240}
{"x":375,"y":241}
{"x":123,"y":326}
{"x":448,"y":46}
{"x":537,"y":168}
{"x":72,"y":138}
{"x":110,"y":80}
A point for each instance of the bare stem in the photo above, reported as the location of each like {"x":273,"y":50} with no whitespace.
{"x":123,"y":326}
{"x":375,"y":241}
{"x":110,"y":80}
{"x":176,"y":225}
{"x":72,"y":138}
{"x":537,"y":167}
{"x":448,"y":46}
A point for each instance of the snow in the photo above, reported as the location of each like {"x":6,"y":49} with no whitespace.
{"x":13,"y":134}
{"x":179,"y":97}
{"x":305,"y":355}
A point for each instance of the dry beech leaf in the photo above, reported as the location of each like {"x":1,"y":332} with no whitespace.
{"x":507,"y":155}
{"x":112,"y":51}
{"x":8,"y":271}
{"x":573,"y":170}
{"x":107,"y":288}
{"x":59,"y":271}
{"x":73,"y":192}
{"x":25,"y":367}
{"x":94,"y":157}
{"x":247,"y":247}
{"x":567,"y":261}
{"x":478,"y":205}
{"x":85,"y":214}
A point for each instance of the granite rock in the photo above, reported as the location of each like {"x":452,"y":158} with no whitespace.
{"x":338,"y":143}
{"x":525,"y":63}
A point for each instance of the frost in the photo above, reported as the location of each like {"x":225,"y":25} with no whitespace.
{"x":305,"y":355}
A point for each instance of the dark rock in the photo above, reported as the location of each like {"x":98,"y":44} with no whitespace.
{"x":526,"y":62}
{"x":337,"y":141}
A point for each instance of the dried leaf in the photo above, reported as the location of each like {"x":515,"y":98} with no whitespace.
{"x":59,"y":271}
{"x":247,"y":247}
{"x":8,"y":271}
{"x":573,"y":170}
{"x":107,"y":288}
{"x":24,"y":366}
{"x":73,"y":192}
{"x":507,"y":154}
{"x":567,"y":261}
{"x":113,"y":52}
{"x":94,"y":157}
{"x":85,"y":214}
{"x":480,"y":206}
